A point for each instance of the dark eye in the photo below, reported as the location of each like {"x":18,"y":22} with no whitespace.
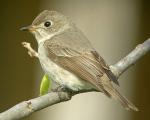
{"x":47,"y":24}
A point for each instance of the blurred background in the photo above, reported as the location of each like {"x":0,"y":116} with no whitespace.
{"x":114,"y":27}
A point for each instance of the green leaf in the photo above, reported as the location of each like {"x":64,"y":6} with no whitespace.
{"x":45,"y":85}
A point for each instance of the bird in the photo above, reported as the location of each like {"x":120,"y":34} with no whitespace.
{"x":70,"y":60}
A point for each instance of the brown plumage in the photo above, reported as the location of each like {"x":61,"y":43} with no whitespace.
{"x":63,"y":44}
{"x":72,"y":51}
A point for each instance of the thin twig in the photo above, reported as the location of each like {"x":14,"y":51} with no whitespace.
{"x":26,"y":108}
{"x":31,"y":51}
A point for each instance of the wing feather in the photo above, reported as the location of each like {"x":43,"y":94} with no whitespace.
{"x":89,"y":66}
{"x":84,"y":64}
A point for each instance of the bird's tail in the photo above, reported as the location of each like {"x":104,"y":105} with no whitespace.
{"x":124,"y":101}
{"x":110,"y":91}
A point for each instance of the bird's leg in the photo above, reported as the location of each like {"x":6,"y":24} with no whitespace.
{"x":31,"y":51}
{"x":59,"y":88}
{"x":62,"y":88}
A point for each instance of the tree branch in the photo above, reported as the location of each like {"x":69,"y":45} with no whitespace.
{"x":26,"y":108}
{"x":131,"y":58}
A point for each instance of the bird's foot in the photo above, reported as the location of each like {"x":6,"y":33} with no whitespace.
{"x":62,"y":89}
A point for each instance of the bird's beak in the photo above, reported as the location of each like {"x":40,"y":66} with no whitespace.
{"x":28,"y":28}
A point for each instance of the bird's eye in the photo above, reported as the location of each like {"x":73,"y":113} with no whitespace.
{"x":47,"y":24}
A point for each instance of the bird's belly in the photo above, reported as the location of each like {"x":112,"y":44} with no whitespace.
{"x":62,"y":76}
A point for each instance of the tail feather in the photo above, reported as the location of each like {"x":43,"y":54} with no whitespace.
{"x":110,"y":91}
{"x":124,"y":101}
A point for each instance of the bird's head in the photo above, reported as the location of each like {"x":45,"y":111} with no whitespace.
{"x":47,"y":24}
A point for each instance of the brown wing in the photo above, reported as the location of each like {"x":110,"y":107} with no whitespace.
{"x":89,"y":66}
{"x":74,"y":48}
{"x":85,"y":65}
{"x":106,"y":68}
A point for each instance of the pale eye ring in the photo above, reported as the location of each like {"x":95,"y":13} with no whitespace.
{"x":47,"y":23}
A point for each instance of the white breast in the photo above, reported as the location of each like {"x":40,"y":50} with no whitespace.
{"x":60,"y":75}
